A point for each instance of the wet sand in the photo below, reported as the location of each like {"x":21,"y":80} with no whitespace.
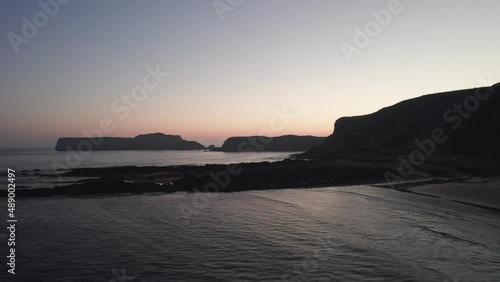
{"x":478,"y":192}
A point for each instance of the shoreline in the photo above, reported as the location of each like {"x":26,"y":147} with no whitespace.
{"x":467,"y":190}
{"x":286,"y":174}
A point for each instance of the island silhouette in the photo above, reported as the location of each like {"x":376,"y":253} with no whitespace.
{"x":160,"y":141}
{"x":154,"y":141}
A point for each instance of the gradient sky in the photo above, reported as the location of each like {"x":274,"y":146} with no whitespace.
{"x":227,"y":76}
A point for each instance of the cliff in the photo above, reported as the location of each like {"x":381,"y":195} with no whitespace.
{"x":155,"y":141}
{"x":286,"y":143}
{"x":467,"y":120}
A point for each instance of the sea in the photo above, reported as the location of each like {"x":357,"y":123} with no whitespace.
{"x":36,"y":167}
{"x":350,"y":233}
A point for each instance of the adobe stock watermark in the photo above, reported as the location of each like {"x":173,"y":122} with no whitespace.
{"x":364,"y":36}
{"x":221,"y":179}
{"x":454,"y":116}
{"x":121,"y":276}
{"x":302,"y":271}
{"x":121,"y":108}
{"x":223,"y":6}
{"x":30,"y":27}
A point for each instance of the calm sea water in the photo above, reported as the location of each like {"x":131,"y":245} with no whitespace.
{"x":330,"y":234}
{"x":31,"y":159}
{"x":355,"y":233}
{"x":26,"y":161}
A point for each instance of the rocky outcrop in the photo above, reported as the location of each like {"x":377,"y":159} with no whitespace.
{"x":467,"y":120}
{"x":286,"y":143}
{"x":155,"y":141}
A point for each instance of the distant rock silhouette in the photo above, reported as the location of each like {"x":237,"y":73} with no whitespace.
{"x":469,"y":120}
{"x":154,"y":141}
{"x":286,"y":143}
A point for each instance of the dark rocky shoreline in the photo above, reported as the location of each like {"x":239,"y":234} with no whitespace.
{"x":289,"y":173}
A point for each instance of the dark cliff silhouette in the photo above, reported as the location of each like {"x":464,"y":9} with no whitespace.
{"x":155,"y":141}
{"x":467,"y":120}
{"x":286,"y":143}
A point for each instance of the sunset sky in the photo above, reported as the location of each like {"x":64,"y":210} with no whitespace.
{"x":229,"y":72}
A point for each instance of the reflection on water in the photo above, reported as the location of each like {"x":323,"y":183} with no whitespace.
{"x":31,"y":159}
{"x":330,"y":234}
{"x":35,"y":167}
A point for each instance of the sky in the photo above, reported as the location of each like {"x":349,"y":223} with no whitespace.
{"x":233,"y":66}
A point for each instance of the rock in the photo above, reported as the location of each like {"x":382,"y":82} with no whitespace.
{"x":155,"y":141}
{"x":286,"y":143}
{"x":469,"y":120}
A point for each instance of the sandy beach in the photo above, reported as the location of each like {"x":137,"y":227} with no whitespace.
{"x":484,"y":192}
